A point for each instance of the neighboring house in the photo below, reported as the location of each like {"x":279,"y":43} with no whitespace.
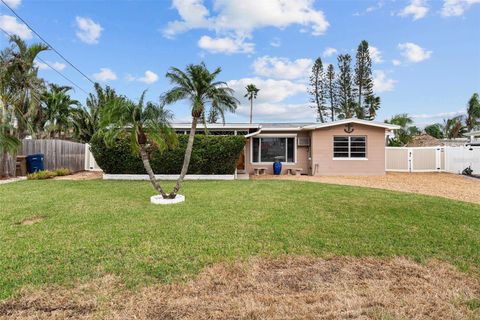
{"x":473,"y":135}
{"x":343,"y":147}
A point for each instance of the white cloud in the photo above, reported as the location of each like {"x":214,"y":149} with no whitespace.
{"x":456,"y":7}
{"x":149,"y":77}
{"x":381,"y":82}
{"x":417,"y":9}
{"x":242,"y":17}
{"x":375,"y":54}
{"x":12,"y":26}
{"x":13,"y":3}
{"x":226,"y":45}
{"x":89,"y":31}
{"x":282,"y":67}
{"x":271,"y":90}
{"x":413,"y":52}
{"x":276,"y":42}
{"x":104,"y":75}
{"x":328,"y":52}
{"x":278,"y":112}
{"x":396,"y":62}
{"x":438,"y":115}
{"x":55,"y":65}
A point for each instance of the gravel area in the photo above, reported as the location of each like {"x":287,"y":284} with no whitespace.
{"x":446,"y":185}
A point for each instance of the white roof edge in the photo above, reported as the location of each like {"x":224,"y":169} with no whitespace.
{"x":229,"y":126}
{"x":353,"y":120}
{"x":472,"y":133}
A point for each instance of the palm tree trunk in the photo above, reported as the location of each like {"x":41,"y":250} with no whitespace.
{"x":151,"y":175}
{"x":186,"y":160}
{"x":251,"y":110}
{"x":3,"y":165}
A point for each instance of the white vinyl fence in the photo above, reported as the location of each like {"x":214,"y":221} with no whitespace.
{"x":432,"y":159}
{"x":90,"y":164}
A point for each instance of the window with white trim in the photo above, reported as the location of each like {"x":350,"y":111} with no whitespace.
{"x":349,"y":147}
{"x":269,"y":149}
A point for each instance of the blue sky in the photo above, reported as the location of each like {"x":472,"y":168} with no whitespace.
{"x":426,"y":52}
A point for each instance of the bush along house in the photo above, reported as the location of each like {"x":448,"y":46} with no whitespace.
{"x":343,"y":147}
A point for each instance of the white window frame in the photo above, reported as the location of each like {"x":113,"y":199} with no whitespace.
{"x":349,"y":158}
{"x":294,"y":136}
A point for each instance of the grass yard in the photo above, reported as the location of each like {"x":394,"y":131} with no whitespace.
{"x":60,"y":232}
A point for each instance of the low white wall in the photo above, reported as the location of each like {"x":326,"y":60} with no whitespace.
{"x":169,"y":177}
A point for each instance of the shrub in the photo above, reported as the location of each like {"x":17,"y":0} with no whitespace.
{"x":41,"y":175}
{"x":211,"y":155}
{"x":62,"y":172}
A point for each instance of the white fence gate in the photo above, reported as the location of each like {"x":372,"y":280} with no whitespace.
{"x":432,"y":159}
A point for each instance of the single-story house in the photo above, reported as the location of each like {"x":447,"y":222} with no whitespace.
{"x":343,"y":147}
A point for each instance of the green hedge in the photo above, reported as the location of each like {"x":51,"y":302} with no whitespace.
{"x":211,"y":155}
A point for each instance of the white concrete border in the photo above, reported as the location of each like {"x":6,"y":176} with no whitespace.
{"x":169,"y":177}
{"x":158,"y":199}
{"x":13,"y":180}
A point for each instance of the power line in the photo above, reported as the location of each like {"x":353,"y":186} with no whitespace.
{"x":61,"y":74}
{"x":48,"y":44}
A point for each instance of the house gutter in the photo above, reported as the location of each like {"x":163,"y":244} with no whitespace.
{"x":253,"y":133}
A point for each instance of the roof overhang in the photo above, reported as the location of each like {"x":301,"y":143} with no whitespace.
{"x":218,"y":126}
{"x":386,"y":126}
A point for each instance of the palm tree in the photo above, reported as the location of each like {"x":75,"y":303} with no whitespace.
{"x":146,"y":127}
{"x":57,"y":110}
{"x":453,"y":128}
{"x":24,"y":79}
{"x":473,"y":112}
{"x":252,"y":92}
{"x":406,"y":132}
{"x":87,"y":120}
{"x":199,"y":86}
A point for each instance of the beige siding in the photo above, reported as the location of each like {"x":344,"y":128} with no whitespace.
{"x":322,"y":152}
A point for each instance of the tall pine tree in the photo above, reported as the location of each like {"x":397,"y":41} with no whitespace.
{"x":346,"y":102}
{"x":318,"y":89}
{"x":331,"y":90}
{"x":363,"y":81}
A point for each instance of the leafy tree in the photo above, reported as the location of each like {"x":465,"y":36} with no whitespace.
{"x":318,"y":89}
{"x":251,"y":94}
{"x":454,"y":128}
{"x":435,"y":130}
{"x":331,"y":90}
{"x":57,"y":110}
{"x":406,"y":132}
{"x":346,"y":103}
{"x":364,"y":83}
{"x":212,"y":116}
{"x":473,"y":112}
{"x":201,"y":88}
{"x":145,"y":126}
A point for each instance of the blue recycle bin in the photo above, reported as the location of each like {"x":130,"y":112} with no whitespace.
{"x":35,"y":163}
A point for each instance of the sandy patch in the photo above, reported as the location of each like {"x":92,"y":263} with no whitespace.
{"x":30,"y":221}
{"x":287,"y":288}
{"x":82,"y":175}
{"x":445,"y":185}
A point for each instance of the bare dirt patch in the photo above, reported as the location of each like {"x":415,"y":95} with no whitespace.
{"x":30,"y":221}
{"x":445,"y":185}
{"x":82,"y":175}
{"x":286,"y":288}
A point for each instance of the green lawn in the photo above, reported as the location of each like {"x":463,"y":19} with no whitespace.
{"x":95,"y":227}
